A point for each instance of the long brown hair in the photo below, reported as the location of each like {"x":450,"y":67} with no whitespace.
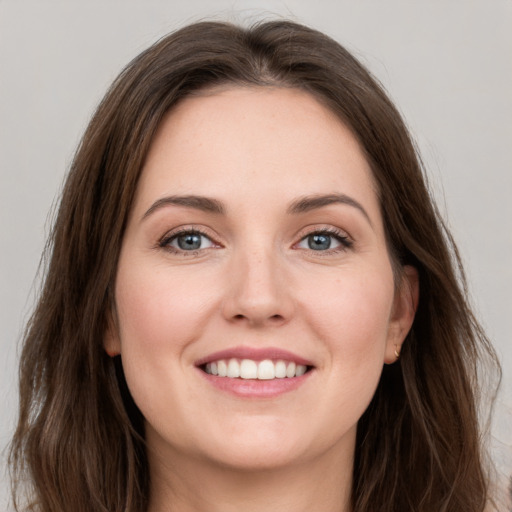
{"x":79,"y":443}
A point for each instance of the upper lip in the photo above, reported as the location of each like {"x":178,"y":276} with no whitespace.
{"x":256,"y":354}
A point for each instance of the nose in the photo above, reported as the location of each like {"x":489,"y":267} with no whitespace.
{"x":259,"y":290}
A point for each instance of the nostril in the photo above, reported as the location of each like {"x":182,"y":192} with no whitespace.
{"x":259,"y":319}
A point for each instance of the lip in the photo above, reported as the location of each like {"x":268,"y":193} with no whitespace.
{"x":256,"y":354}
{"x":255,"y":388}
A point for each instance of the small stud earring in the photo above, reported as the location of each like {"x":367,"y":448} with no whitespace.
{"x":397,"y":351}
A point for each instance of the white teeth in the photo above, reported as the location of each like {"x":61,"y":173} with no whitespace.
{"x":280,"y":369}
{"x":266,"y":370}
{"x":233,"y":369}
{"x":290,"y":370}
{"x":300,"y":370}
{"x":222,"y":369}
{"x":249,"y":369}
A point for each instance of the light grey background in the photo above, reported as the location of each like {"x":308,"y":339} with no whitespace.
{"x":447,"y":64}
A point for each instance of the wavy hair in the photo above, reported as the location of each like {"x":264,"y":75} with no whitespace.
{"x":79,"y":443}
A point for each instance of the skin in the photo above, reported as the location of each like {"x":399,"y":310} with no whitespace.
{"x":255,"y":282}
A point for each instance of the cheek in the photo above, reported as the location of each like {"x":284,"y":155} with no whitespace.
{"x":351,"y":314}
{"x":352,"y":318}
{"x":159,"y":310}
{"x":161,"y":313}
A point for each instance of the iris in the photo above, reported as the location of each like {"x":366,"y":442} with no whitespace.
{"x":319,"y":242}
{"x":189,"y":241}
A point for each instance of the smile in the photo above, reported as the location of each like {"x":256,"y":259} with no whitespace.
{"x":249,"y":372}
{"x":251,"y":369}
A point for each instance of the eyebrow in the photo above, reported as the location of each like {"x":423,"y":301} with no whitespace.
{"x":308,"y":203}
{"x":205,"y":204}
{"x":301,"y":205}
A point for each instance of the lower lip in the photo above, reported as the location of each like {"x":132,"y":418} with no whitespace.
{"x":254,"y":388}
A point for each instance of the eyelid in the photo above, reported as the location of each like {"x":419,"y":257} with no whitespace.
{"x":163,"y":242}
{"x":345,"y":240}
{"x":323,"y":228}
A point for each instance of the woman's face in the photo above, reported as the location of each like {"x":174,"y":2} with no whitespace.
{"x":255,"y":247}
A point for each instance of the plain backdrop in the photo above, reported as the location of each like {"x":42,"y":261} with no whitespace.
{"x":447,"y":64}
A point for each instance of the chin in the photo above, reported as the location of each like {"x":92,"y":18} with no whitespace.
{"x":257,"y":457}
{"x":268,"y":444}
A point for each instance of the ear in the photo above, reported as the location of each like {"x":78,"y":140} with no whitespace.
{"x":111,"y":341}
{"x":402,"y":315}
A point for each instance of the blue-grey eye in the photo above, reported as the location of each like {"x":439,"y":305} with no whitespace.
{"x":189,"y":241}
{"x":319,"y":242}
{"x":323,"y":241}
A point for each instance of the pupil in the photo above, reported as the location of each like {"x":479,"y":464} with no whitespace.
{"x":319,"y":242}
{"x":189,"y":242}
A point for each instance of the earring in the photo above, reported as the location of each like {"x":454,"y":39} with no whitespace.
{"x":397,"y":351}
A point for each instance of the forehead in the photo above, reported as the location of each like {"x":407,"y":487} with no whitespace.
{"x":239,"y":142}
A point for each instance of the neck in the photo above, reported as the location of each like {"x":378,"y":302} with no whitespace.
{"x":193,"y":485}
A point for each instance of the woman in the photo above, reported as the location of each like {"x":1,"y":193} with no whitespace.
{"x":251,"y":301}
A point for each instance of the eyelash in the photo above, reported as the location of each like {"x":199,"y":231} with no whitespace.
{"x":170,"y":237}
{"x":340,"y":236}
